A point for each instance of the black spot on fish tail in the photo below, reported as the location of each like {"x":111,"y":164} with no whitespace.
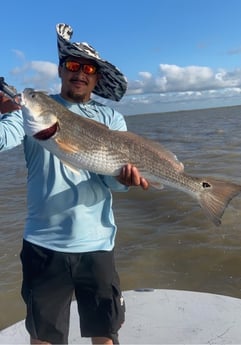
{"x":47,"y":133}
{"x":206,"y":185}
{"x":215,"y":197}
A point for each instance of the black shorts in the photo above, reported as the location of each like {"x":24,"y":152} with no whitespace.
{"x":51,"y":278}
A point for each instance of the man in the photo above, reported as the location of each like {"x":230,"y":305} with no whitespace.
{"x":68,"y":241}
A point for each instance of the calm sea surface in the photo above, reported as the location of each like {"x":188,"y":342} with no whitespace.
{"x":164,"y":240}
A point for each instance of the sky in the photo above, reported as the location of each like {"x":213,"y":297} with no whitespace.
{"x":176,"y":54}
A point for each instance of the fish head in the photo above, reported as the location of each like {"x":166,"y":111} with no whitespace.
{"x":38,"y":119}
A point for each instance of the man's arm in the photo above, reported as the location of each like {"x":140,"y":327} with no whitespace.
{"x":11,"y":124}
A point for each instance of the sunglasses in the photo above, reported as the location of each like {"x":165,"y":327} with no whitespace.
{"x":74,"y":66}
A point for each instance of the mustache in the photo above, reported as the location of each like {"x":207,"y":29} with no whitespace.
{"x":81,"y":80}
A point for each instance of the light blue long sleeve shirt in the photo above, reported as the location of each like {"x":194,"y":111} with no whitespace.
{"x":67,"y":212}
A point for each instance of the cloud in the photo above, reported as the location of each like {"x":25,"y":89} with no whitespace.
{"x":236,"y":51}
{"x":19,"y":54}
{"x":172,"y":86}
{"x":37,"y":74}
{"x":173,"y":78}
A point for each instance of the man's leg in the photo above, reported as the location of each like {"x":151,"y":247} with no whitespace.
{"x":47,"y":291}
{"x":100,"y":302}
{"x":101,"y":340}
{"x":36,"y":341}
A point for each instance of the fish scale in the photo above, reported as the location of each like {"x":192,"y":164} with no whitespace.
{"x":82,"y":143}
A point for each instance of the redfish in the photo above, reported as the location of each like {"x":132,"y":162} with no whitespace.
{"x":82,"y":143}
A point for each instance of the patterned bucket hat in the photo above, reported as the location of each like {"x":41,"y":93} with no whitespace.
{"x":112,"y":84}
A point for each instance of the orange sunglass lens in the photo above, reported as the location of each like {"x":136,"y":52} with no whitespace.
{"x":89,"y":69}
{"x":72,"y":66}
{"x":75,"y":66}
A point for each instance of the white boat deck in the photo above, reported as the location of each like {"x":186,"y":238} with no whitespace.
{"x":162,"y":317}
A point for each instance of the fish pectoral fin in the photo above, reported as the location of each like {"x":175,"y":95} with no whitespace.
{"x":68,"y":148}
{"x":154,"y":182}
{"x":71,"y":167}
{"x":157,"y":185}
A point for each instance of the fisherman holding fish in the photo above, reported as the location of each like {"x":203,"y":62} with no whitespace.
{"x":69,"y":235}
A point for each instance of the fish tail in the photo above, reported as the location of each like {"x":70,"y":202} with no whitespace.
{"x":215,"y":197}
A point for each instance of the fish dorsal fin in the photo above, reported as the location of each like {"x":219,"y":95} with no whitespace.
{"x":167,"y":155}
{"x":163,"y":153}
{"x":68,"y":148}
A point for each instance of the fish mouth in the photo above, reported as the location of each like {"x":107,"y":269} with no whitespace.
{"x":47,"y":133}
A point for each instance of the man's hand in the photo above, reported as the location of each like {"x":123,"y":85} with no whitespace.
{"x":6,"y":104}
{"x":130,"y":176}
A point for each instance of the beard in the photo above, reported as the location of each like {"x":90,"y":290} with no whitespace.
{"x":76,"y":96}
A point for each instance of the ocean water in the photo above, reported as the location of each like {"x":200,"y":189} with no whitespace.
{"x":164,"y":239}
